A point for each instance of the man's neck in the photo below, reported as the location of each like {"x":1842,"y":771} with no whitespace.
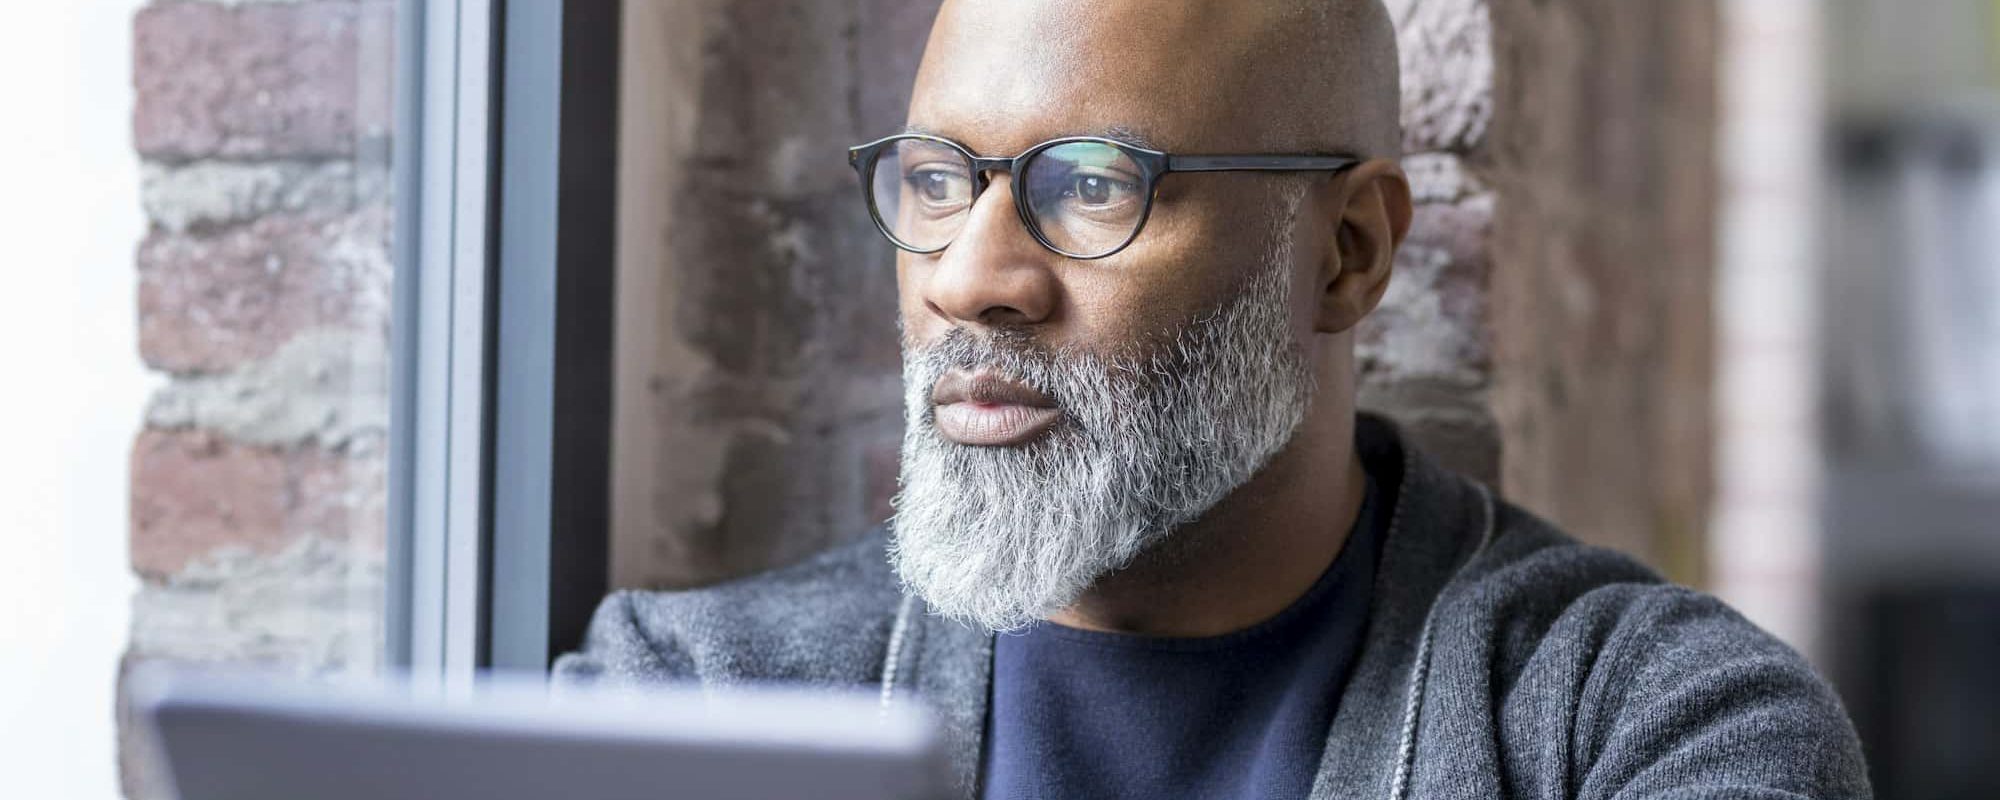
{"x":1248,"y":558}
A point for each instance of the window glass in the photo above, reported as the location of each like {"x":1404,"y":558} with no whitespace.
{"x":258,"y":479}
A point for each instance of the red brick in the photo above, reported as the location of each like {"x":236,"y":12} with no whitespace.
{"x":1433,"y":321}
{"x":194,"y":493}
{"x":260,"y":80}
{"x":212,"y":300}
{"x":1447,"y":73}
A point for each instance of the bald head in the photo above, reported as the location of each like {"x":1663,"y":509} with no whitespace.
{"x":1190,"y":77}
{"x":1186,"y":75}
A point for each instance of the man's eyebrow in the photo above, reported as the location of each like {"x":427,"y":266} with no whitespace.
{"x":1131,"y":136}
{"x":1116,"y":133}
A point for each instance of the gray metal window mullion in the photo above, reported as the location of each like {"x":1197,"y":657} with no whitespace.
{"x":468,"y":529}
{"x":399,"y":602}
{"x":552,"y":390}
{"x":438,"y":475}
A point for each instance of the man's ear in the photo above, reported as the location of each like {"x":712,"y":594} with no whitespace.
{"x":1373,"y":204}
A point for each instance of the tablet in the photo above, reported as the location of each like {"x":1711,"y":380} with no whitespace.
{"x":250,"y":737}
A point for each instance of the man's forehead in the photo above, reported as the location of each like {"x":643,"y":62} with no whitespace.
{"x":1010,"y":73}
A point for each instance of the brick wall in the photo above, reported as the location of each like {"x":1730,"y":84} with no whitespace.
{"x":1764,"y":549}
{"x":1547,"y":329}
{"x":1426,"y":355}
{"x":1604,"y":156}
{"x":257,"y":484}
{"x":758,"y":398}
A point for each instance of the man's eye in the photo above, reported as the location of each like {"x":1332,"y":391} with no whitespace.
{"x":1099,"y":190}
{"x":935,"y":186}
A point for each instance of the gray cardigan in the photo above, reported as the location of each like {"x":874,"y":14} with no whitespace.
{"x":1502,"y":659}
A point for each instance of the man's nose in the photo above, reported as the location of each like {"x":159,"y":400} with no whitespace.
{"x":994,"y":273}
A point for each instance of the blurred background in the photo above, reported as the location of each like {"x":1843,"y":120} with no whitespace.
{"x":1714,"y":282}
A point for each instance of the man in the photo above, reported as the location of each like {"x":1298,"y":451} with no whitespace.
{"x":1136,"y":238}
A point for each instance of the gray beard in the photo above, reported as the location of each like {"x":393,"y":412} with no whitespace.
{"x":1005,"y":536}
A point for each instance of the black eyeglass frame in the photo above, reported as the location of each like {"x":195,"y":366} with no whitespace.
{"x":1153,"y":164}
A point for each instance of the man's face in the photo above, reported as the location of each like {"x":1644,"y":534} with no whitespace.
{"x":1066,"y":415}
{"x":1000,"y":77}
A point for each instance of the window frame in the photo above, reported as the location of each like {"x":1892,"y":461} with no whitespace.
{"x":555,"y":319}
{"x":499,"y":471}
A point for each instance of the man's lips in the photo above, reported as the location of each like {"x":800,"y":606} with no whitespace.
{"x":984,"y":409}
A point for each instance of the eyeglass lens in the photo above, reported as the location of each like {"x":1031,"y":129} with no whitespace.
{"x":923,"y":192}
{"x":1085,"y":198}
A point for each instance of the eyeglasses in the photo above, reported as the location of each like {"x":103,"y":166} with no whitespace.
{"x":1082,"y":196}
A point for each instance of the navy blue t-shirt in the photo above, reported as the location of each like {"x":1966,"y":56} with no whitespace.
{"x":1088,"y":714}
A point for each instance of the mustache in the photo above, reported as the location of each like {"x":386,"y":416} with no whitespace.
{"x":1011,"y":352}
{"x":961,"y":348}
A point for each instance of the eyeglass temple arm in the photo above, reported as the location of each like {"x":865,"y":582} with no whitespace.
{"x":1259,"y":163}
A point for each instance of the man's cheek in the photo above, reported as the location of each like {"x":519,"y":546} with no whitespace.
{"x":1150,"y":304}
